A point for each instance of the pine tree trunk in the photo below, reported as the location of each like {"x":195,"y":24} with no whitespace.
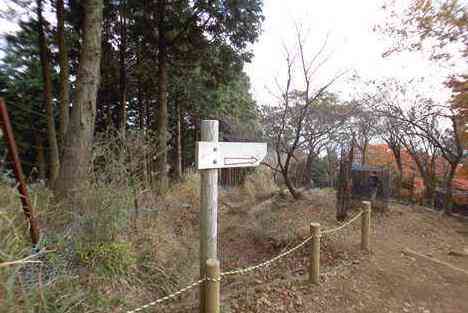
{"x":54,"y":162}
{"x":40,"y":158}
{"x":141,"y":101}
{"x":148,"y":162}
{"x":179,"y":142}
{"x":123,"y":69}
{"x":142,"y":112}
{"x":64,"y":95}
{"x":78,"y":139}
{"x":162,"y":118}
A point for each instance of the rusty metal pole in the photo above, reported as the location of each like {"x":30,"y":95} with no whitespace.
{"x":17,"y":170}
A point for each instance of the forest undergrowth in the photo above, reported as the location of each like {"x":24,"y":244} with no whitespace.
{"x":123,"y":246}
{"x":131,"y":248}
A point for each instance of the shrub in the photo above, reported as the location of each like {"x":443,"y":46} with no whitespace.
{"x":107,"y":258}
{"x":259,"y":185}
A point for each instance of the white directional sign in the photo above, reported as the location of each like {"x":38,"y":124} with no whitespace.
{"x":229,"y":154}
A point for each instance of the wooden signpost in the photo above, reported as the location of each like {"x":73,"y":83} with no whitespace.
{"x":210,"y":156}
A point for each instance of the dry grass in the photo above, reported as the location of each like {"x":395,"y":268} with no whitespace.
{"x":259,"y":185}
{"x":116,"y":257}
{"x":120,"y":255}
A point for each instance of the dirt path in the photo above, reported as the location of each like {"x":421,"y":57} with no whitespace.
{"x":384,"y":281}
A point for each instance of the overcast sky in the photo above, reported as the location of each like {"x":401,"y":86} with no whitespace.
{"x":353,"y":45}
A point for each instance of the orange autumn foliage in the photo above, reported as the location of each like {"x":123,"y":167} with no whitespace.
{"x":381,"y":155}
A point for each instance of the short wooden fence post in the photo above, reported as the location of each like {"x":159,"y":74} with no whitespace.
{"x":314,"y":262}
{"x":212,"y":286}
{"x":365,"y":225}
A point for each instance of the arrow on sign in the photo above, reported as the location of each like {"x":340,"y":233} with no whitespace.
{"x":245,"y":160}
{"x":229,"y":154}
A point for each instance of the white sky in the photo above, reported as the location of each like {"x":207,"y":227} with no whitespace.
{"x":8,"y":24}
{"x":354,"y":44}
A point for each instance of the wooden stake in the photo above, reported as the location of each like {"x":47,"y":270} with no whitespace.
{"x":18,"y":171}
{"x":209,"y":207}
{"x":212,"y":290}
{"x":365,"y":225}
{"x":314,"y":262}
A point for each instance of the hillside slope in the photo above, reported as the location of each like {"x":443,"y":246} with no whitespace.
{"x":386,"y":280}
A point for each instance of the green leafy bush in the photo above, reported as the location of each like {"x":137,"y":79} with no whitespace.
{"x":107,"y":258}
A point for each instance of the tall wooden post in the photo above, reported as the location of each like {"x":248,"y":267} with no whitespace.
{"x":365,"y":225}
{"x":209,"y":207}
{"x":13,"y":153}
{"x":314,"y":262}
{"x":212,"y":290}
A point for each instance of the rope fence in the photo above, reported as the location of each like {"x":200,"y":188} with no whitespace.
{"x":337,"y":229}
{"x":169,"y":297}
{"x":213,"y":281}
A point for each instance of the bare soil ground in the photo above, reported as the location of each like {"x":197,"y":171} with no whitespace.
{"x":384,"y":280}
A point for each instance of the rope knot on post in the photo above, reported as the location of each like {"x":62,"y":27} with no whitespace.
{"x":316,"y":235}
{"x":212,"y":286}
{"x":213,"y":279}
